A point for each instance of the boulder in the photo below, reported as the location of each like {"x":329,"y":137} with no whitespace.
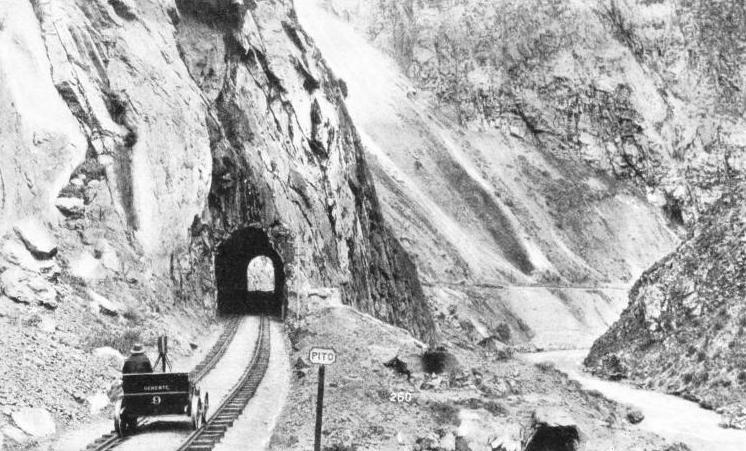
{"x":462,"y":444}
{"x":8,"y":308}
{"x":448,"y":442}
{"x":428,"y":442}
{"x":72,"y":207}
{"x":301,"y":368}
{"x":34,"y":421}
{"x":635,"y":416}
{"x":553,"y":427}
{"x":103,"y":305}
{"x":509,"y":439}
{"x":500,"y":349}
{"x":475,"y":331}
{"x":408,"y":364}
{"x":126,"y":9}
{"x":322,"y":298}
{"x":36,"y":238}
{"x":14,"y":434}
{"x":108,"y":256}
{"x":87,"y":267}
{"x":111,"y":356}
{"x":47,"y":324}
{"x":27,"y":288}
{"x":16,"y":253}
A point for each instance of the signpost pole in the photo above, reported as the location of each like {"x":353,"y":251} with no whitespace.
{"x":319,"y":408}
{"x":321,"y":357}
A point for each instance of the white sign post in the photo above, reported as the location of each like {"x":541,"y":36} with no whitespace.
{"x":322,"y":357}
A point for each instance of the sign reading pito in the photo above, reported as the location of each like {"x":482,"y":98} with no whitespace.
{"x":322,"y":356}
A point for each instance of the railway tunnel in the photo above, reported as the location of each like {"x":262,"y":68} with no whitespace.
{"x":250,"y":275}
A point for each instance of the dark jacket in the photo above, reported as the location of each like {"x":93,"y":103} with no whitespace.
{"x":137,"y":363}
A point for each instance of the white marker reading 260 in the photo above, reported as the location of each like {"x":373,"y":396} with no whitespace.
{"x":322,"y":357}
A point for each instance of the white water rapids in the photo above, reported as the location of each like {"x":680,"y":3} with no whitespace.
{"x":671,"y":417}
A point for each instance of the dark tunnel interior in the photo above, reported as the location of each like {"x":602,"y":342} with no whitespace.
{"x":231,"y":263}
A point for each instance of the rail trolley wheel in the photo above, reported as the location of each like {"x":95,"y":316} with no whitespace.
{"x":205,"y":407}
{"x":131,"y":424}
{"x":119,"y":425}
{"x":195,"y":411}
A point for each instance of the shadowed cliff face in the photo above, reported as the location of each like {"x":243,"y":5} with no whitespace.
{"x":197,"y":120}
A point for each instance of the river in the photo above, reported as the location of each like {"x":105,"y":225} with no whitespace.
{"x":671,"y":417}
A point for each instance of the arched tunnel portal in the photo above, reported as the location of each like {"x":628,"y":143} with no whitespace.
{"x":239,"y":291}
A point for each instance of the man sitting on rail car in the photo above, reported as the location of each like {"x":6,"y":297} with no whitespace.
{"x":137,"y":362}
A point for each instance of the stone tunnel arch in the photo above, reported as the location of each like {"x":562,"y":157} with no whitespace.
{"x":232,"y":262}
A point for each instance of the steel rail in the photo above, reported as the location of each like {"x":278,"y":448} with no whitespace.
{"x":209,"y":435}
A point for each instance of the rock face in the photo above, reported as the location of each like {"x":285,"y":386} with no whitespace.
{"x":171,"y":126}
{"x":40,"y":140}
{"x":684,"y":330}
{"x":27,"y":288}
{"x":486,"y":213}
{"x":629,"y":87}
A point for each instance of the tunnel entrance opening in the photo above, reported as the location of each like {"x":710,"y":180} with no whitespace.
{"x":250,"y":275}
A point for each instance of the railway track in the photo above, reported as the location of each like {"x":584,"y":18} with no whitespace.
{"x":205,"y":438}
{"x":111,"y":440}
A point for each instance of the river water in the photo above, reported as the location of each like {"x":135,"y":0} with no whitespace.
{"x":671,"y":417}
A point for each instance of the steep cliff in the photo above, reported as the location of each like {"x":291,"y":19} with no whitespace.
{"x":138,"y":138}
{"x":200,"y":119}
{"x":684,"y":330}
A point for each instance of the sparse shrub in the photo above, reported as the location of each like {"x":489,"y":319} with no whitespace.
{"x":444,"y":413}
{"x":545,"y":366}
{"x":502,"y":332}
{"x":340,"y":447}
{"x":92,"y":169}
{"x":119,"y":340}
{"x":133,"y":315}
{"x":595,"y":394}
{"x":437,"y":360}
{"x":495,"y":408}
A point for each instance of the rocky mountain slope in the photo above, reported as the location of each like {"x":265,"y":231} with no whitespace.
{"x":137,"y":136}
{"x":502,"y":224}
{"x":650,"y":91}
{"x":684,"y":331}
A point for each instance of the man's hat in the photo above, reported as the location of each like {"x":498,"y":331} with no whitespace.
{"x":137,"y":349}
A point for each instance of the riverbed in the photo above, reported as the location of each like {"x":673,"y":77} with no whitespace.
{"x":671,"y":417}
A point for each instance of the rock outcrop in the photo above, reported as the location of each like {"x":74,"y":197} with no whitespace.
{"x":166,"y":127}
{"x":684,"y":331}
{"x":645,"y":91}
